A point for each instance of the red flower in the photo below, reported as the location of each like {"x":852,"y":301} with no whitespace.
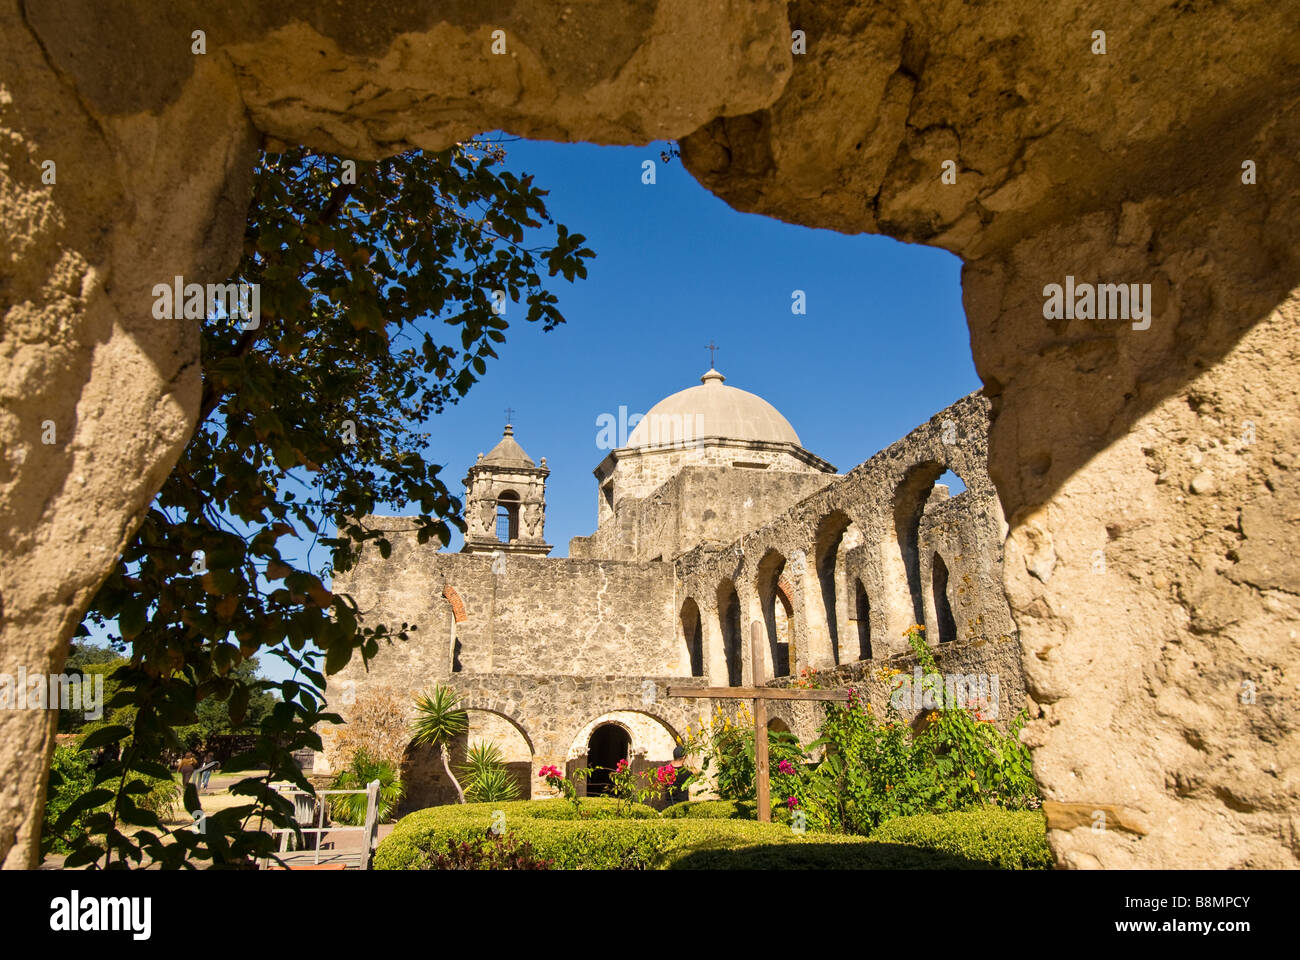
{"x":792,"y":802}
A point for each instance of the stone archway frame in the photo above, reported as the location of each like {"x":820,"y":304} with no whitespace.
{"x":1064,"y":163}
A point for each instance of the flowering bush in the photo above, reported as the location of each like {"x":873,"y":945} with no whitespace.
{"x":647,"y":787}
{"x":872,"y":772}
{"x":726,"y":742}
{"x":566,"y":786}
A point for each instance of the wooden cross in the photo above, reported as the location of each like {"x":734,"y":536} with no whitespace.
{"x":760,"y":695}
{"x":713,"y":348}
{"x":510,"y":411}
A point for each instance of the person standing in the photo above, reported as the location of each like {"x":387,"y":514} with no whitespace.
{"x":187,"y":765}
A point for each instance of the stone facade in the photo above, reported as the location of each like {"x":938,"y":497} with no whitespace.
{"x":545,"y":652}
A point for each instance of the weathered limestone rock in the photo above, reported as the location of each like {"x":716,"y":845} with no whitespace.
{"x":1120,"y":167}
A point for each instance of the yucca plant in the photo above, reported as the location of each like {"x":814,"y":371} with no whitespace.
{"x":350,"y":808}
{"x":439,"y":720}
{"x":486,"y":776}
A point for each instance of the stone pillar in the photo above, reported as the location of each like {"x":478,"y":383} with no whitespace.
{"x":99,"y":397}
{"x":1151,"y":484}
{"x":814,"y":638}
{"x":715,"y":654}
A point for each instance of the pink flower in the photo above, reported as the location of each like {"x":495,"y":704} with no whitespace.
{"x":792,"y":802}
{"x":622,"y":765}
{"x":785,"y":767}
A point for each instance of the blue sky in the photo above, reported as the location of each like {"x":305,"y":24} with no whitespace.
{"x":883,"y":346}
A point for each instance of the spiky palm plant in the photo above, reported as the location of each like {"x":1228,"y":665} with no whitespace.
{"x":439,"y":719}
{"x":486,"y":775}
{"x":350,"y":808}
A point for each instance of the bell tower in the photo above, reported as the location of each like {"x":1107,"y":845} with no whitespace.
{"x":505,"y":501}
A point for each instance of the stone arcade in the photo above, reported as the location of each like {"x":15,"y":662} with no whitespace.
{"x":568,"y":661}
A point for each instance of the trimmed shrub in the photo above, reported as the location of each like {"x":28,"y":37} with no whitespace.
{"x":712,"y":841}
{"x":1011,"y":840}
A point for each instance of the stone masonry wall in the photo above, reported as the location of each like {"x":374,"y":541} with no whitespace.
{"x":700,"y":504}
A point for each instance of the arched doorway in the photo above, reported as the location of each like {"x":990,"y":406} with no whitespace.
{"x":778,"y":611}
{"x":609,"y":743}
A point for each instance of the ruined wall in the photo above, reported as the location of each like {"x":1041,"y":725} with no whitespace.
{"x":858,"y":528}
{"x":967,"y":532}
{"x":550,"y":714}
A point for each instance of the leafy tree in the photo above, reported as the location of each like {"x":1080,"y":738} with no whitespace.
{"x":378,"y":307}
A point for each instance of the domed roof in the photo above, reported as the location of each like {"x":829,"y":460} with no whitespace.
{"x":508,"y":453}
{"x":713,"y":410}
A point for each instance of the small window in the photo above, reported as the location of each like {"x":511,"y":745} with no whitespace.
{"x":608,"y":491}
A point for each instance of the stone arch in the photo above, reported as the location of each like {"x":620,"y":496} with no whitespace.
{"x":471,"y":703}
{"x":458,"y":616}
{"x":457,"y":604}
{"x":729,"y":621}
{"x":693,"y":636}
{"x":910,"y":497}
{"x":651,"y":738}
{"x":777,"y":611}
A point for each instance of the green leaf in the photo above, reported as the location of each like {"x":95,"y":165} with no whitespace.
{"x":103,"y":736}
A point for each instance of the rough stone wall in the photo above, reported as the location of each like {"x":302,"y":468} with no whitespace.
{"x":699,"y":504}
{"x":878,"y":681}
{"x":636,"y":474}
{"x":535,"y":615}
{"x":1124,"y":166}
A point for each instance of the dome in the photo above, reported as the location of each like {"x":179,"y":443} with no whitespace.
{"x":508,"y":453}
{"x":713,"y":410}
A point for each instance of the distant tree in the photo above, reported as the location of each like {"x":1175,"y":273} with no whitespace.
{"x":385,"y":289}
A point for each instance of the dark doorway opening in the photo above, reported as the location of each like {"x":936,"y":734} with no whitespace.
{"x":608,"y":745}
{"x":942,"y":608}
{"x":864,"y":623}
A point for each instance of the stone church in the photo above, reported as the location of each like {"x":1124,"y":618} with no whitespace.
{"x":712,"y":517}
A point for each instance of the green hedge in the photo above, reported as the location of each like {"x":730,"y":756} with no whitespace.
{"x":1011,"y":840}
{"x":705,"y":836}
